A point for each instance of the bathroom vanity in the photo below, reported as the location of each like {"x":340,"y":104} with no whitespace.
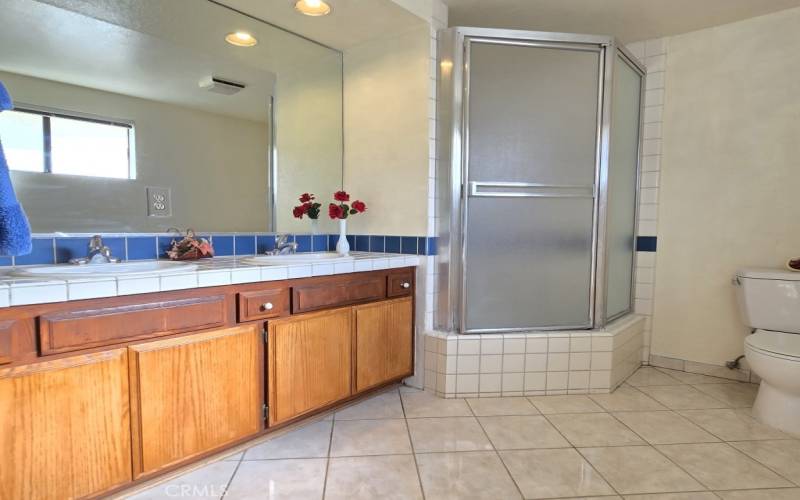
{"x":97,"y":394}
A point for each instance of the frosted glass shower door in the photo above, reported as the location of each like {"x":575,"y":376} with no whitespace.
{"x":622,"y":187}
{"x":530,"y":169}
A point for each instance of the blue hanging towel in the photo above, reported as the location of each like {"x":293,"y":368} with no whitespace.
{"x":15,"y":231}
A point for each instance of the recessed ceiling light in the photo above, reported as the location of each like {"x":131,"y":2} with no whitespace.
{"x":241,"y":39}
{"x":312,"y":7}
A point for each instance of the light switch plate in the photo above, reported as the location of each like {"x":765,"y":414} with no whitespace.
{"x":159,"y":202}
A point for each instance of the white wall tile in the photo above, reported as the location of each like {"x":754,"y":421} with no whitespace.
{"x":557,"y":381}
{"x":580,"y":343}
{"x":557,"y":362}
{"x":601,"y":361}
{"x":536,"y":362}
{"x":92,"y":289}
{"x":536,"y":344}
{"x":653,"y":113}
{"x":469,"y":346}
{"x":512,"y":382}
{"x":490,"y":382}
{"x":579,"y":361}
{"x":513,"y":363}
{"x":655,"y":47}
{"x":578,"y":380}
{"x":491,"y":363}
{"x":491,"y":345}
{"x":132,"y":286}
{"x":535,"y":381}
{"x":656,"y":63}
{"x":514,"y":345}
{"x":558,"y":344}
{"x":468,"y":364}
{"x":466,"y":383}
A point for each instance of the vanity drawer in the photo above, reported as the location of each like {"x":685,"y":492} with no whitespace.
{"x":5,"y":342}
{"x":82,"y":329}
{"x":338,"y":291}
{"x":399,"y":284}
{"x":263,"y":304}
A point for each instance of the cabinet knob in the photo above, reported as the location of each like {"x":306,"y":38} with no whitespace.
{"x":266,"y":306}
{"x":405,"y":284}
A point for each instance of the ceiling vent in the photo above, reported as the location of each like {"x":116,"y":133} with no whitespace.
{"x":220,"y":85}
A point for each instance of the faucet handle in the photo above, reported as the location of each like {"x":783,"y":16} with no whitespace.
{"x":96,"y":242}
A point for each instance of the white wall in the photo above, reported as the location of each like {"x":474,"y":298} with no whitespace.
{"x":386,"y":123}
{"x":729,"y":176}
{"x":215,"y":165}
{"x":308,"y":122}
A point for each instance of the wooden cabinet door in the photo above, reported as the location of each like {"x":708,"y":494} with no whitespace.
{"x":193,"y":394}
{"x":309,"y":359}
{"x":384,"y":339}
{"x":65,"y":427}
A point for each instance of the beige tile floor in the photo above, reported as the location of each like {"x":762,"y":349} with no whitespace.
{"x":662,"y":435}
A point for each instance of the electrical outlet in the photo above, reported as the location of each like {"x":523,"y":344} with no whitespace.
{"x":159,"y":203}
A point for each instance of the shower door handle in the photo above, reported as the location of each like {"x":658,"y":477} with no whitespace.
{"x":529,"y":190}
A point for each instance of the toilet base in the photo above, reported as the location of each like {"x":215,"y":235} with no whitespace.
{"x":777,"y":409}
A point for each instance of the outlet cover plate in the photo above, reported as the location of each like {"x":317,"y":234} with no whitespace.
{"x":159,"y":202}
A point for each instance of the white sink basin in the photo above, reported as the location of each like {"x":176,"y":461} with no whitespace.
{"x":296,"y":258}
{"x":105,"y":270}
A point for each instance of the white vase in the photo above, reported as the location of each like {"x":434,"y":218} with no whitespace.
{"x":314,"y":226}
{"x":343,"y":246}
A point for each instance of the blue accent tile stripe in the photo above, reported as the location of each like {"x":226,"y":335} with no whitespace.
{"x":142,"y":248}
{"x":646,"y":243}
{"x":319,"y":243}
{"x":245,"y":244}
{"x":138,"y":246}
{"x":392,"y":244}
{"x":223,"y":245}
{"x":265,"y":243}
{"x":362,"y":243}
{"x":303,"y":242}
{"x":377,"y":243}
{"x":42,"y":253}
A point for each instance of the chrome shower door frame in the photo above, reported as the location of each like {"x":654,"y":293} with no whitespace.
{"x":453,"y":165}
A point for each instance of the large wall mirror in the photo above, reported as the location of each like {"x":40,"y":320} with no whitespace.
{"x":138,"y":116}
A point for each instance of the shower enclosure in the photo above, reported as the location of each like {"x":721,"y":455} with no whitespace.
{"x":537,"y":179}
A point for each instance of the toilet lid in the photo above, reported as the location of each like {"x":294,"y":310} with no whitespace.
{"x":787,"y":344}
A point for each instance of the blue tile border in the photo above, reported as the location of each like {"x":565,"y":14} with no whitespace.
{"x":146,"y":246}
{"x":646,"y":243}
{"x":53,"y":248}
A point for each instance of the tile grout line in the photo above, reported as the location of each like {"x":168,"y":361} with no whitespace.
{"x":328,"y":457}
{"x":659,"y":451}
{"x":494,"y":448}
{"x":573,"y":447}
{"x":233,"y":475}
{"x":411,"y":444}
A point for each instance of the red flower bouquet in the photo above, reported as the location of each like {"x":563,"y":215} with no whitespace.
{"x":341,"y":210}
{"x":308,"y":207}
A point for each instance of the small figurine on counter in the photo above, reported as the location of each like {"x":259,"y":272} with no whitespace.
{"x":190,"y":247}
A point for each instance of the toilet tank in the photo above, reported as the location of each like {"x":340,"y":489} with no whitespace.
{"x":769,"y":299}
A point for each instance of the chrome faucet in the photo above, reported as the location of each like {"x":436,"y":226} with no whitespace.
{"x":98,"y":253}
{"x":283,"y":246}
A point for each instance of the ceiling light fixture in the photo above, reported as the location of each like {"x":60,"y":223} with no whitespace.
{"x":312,"y":7}
{"x":241,"y":39}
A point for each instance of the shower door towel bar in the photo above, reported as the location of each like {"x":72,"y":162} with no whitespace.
{"x":529,"y":190}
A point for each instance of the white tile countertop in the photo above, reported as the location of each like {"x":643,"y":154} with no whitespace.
{"x":217,"y":271}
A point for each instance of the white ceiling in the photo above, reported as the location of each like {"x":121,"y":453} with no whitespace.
{"x":351,"y":22}
{"x":152,"y":49}
{"x":628,"y":20}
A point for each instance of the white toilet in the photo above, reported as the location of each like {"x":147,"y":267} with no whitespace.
{"x":770,"y":303}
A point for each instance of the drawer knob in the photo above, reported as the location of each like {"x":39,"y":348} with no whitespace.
{"x":405,"y":284}
{"x":267,"y":306}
